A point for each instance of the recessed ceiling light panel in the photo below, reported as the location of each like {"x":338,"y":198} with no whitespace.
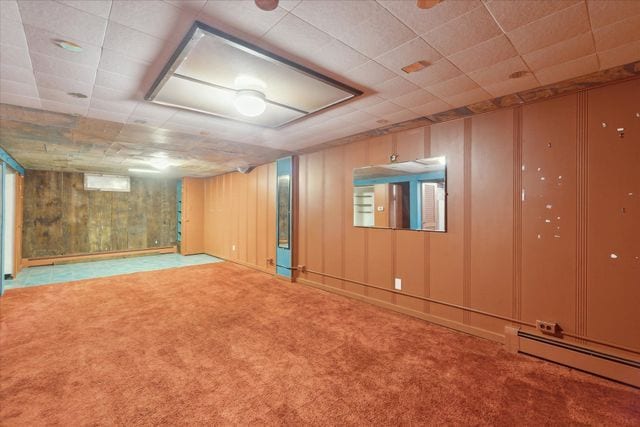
{"x":215,"y":73}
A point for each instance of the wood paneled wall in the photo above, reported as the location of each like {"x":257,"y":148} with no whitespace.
{"x":240,"y":219}
{"x":60,"y":218}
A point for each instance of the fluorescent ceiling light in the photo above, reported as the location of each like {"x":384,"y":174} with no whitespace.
{"x":143,"y":170}
{"x":215,"y":73}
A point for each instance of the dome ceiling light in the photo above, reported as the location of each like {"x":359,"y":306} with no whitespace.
{"x":215,"y":73}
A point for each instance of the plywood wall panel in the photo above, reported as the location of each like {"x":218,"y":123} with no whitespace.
{"x":252,"y":217}
{"x":333,"y":214}
{"x":549,"y":212}
{"x":491,"y":234}
{"x":612,"y":290}
{"x":379,"y":149}
{"x":300,"y":234}
{"x":271,"y":215}
{"x":410,"y":144}
{"x":315,"y":219}
{"x":380,"y":245}
{"x":409,"y":255}
{"x":242,"y":218}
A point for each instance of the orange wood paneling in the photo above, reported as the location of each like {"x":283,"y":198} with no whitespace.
{"x":315,"y":220}
{"x":410,"y":144}
{"x":380,"y":262}
{"x":271,"y":215}
{"x":409,"y":255}
{"x":333,"y":214}
{"x":379,"y":149}
{"x":252,"y":217}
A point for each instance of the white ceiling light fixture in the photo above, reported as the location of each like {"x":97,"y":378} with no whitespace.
{"x":216,"y":73}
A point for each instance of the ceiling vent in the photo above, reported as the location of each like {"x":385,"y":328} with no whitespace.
{"x":216,"y":73}
{"x":101,"y":182}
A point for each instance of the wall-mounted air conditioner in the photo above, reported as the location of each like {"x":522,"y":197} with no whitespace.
{"x":101,"y":182}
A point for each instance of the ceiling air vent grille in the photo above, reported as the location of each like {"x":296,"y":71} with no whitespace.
{"x":100,"y":182}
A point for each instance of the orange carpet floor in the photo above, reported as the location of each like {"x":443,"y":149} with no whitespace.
{"x":222,"y":344}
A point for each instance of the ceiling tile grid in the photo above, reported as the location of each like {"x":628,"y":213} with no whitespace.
{"x":471,"y":47}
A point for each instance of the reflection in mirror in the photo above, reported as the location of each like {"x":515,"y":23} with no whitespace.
{"x":283,"y":211}
{"x":407,"y":195}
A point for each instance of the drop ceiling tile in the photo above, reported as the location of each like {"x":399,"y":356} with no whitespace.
{"x":153,"y":111}
{"x":61,"y":107}
{"x":577,"y":67}
{"x":17,"y":88}
{"x":64,"y":20}
{"x":414,"y":98}
{"x":469,"y":97}
{"x":453,"y":86}
{"x":606,"y":12}
{"x":107,"y":115}
{"x":289,"y":4}
{"x":358,"y":117}
{"x":364,"y":101}
{"x":99,"y":8}
{"x":432,"y":107}
{"x":12,"y":33}
{"x":337,"y":57}
{"x":551,"y":29}
{"x":514,"y":14}
{"x":408,"y":53}
{"x":370,"y":74}
{"x":193,"y":5}
{"x":498,"y":72}
{"x":120,"y":64}
{"x":15,"y":56}
{"x":133,"y":43}
{"x":377,"y":34}
{"x":617,"y":34}
{"x":21,"y":101}
{"x":17,"y":74}
{"x":484,"y":54}
{"x":424,"y":20}
{"x":240,"y":18}
{"x":394,"y":87}
{"x":9,"y":10}
{"x":620,"y":55}
{"x":383,"y":108}
{"x":62,"y":97}
{"x":41,"y":41}
{"x":558,"y":53}
{"x":116,"y":81}
{"x":401,"y":116}
{"x":463,"y":32}
{"x":509,"y":86}
{"x":65,"y":85}
{"x":335,"y":17}
{"x":153,"y":17}
{"x":296,"y":36}
{"x":440,"y":71}
{"x":64,"y":69}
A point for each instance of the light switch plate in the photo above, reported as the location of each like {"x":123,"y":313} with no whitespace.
{"x":398,"y":284}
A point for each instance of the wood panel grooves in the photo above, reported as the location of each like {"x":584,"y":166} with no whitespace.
{"x":426,"y":150}
{"x":466,"y":278}
{"x":516,"y":310}
{"x":582,"y":153}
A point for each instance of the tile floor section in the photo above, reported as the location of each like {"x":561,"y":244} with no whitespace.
{"x":34,"y":276}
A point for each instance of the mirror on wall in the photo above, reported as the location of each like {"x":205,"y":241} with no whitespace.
{"x":408,"y":195}
{"x":283,"y":211}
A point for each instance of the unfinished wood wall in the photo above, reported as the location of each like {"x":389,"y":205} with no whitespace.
{"x":60,"y":218}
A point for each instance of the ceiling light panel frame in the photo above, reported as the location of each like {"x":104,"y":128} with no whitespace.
{"x":210,"y":68}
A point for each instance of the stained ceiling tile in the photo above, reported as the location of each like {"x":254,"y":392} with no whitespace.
{"x":22,"y":101}
{"x":296,"y":36}
{"x":412,"y":51}
{"x":240,"y":17}
{"x":17,"y":74}
{"x":9,"y":10}
{"x":432,"y":107}
{"x":424,"y":20}
{"x":414,"y":98}
{"x":605,"y":12}
{"x":509,"y":86}
{"x":452,"y":87}
{"x":64,"y":20}
{"x":439,"y":71}
{"x":484,"y":54}
{"x":61,"y":96}
{"x":558,"y":53}
{"x":617,"y":34}
{"x":41,"y":41}
{"x":12,"y":32}
{"x":99,"y":8}
{"x":514,"y":14}
{"x":551,"y":29}
{"x":107,"y":115}
{"x":577,"y":67}
{"x":394,"y":87}
{"x":63,"y":107}
{"x":60,"y":83}
{"x":370,"y":74}
{"x":463,"y":32}
{"x":64,"y":69}
{"x":623,"y":54}
{"x":498,"y":72}
{"x":153,"y":17}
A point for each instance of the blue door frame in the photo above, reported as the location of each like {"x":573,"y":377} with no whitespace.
{"x":284,"y":167}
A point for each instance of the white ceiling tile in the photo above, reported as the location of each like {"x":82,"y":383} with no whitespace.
{"x":453,"y":86}
{"x":295,"y":36}
{"x":509,"y":86}
{"x":119,"y":107}
{"x":147,"y":121}
{"x":153,"y":17}
{"x":335,"y":17}
{"x":624,"y":54}
{"x":606,"y":12}
{"x":15,"y":56}
{"x":17,"y":74}
{"x":42,"y":41}
{"x":439,"y":71}
{"x":577,"y":67}
{"x":65,"y":85}
{"x":154,"y":111}
{"x":364,"y":101}
{"x":57,"y":67}
{"x":17,"y":88}
{"x":414,"y":98}
{"x":117,"y":82}
{"x":617,"y":34}
{"x":424,"y":20}
{"x":394,"y":87}
{"x":99,"y":8}
{"x":240,"y":18}
{"x":558,"y":53}
{"x":383,"y":108}
{"x":62,"y":97}
{"x":120,"y":64}
{"x":61,"y":107}
{"x":132,"y":43}
{"x":551,"y":29}
{"x":432,"y":107}
{"x":463,"y":32}
{"x":9,"y":10}
{"x":514,"y":14}
{"x":370,"y":74}
{"x":410,"y":52}
{"x":289,"y":4}
{"x":21,"y":101}
{"x":468,"y":97}
{"x":64,"y":20}
{"x":107,"y":115}
{"x":193,"y":5}
{"x":357,"y":117}
{"x":337,"y":57}
{"x":401,"y":116}
{"x":12,"y":33}
{"x":499,"y":72}
{"x":484,"y":54}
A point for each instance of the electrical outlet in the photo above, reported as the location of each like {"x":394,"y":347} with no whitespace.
{"x":398,"y":284}
{"x":549,"y":328}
